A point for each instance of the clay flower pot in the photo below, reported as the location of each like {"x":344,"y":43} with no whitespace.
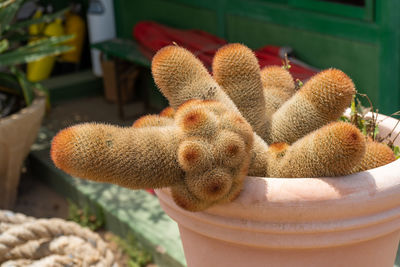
{"x":17,"y":133}
{"x":342,"y":221}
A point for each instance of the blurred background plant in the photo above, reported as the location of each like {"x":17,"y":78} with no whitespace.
{"x":85,"y":217}
{"x":138,"y":256}
{"x":25,"y":41}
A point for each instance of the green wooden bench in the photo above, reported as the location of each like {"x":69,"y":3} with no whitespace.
{"x":123,"y":50}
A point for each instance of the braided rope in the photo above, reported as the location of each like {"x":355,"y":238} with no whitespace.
{"x":26,"y":241}
{"x":10,"y":217}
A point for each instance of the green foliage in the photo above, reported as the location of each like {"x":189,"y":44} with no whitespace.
{"x":369,"y":125}
{"x":4,"y":44}
{"x":14,"y":52}
{"x":138,"y":256}
{"x":358,"y":116}
{"x":35,"y":51}
{"x":84,"y":217}
{"x":25,"y":85}
{"x":5,"y":3}
{"x":396,"y":151}
{"x":8,"y":10}
{"x":43,"y":19}
{"x":299,"y":83}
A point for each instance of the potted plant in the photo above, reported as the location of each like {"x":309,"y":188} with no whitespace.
{"x":22,"y":103}
{"x":349,"y":220}
{"x":272,"y":176}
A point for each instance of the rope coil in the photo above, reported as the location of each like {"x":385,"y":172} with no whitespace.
{"x":26,"y":241}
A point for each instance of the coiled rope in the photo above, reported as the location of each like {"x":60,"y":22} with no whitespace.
{"x":26,"y":241}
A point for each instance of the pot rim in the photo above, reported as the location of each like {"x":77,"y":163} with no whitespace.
{"x":37,"y":103}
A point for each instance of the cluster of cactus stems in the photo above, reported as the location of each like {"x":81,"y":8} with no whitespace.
{"x":219,"y":129}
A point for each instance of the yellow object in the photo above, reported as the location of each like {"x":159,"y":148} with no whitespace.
{"x":36,"y":29}
{"x":41,"y":69}
{"x":74,"y":25}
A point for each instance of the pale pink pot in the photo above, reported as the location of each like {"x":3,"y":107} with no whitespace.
{"x":342,"y":221}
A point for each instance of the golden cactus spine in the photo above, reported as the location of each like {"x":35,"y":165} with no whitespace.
{"x":277,"y":77}
{"x":376,"y":155}
{"x":321,"y":100}
{"x":177,"y":85}
{"x":236,"y":70}
{"x":152,"y":120}
{"x":332,"y":150}
{"x":262,"y":97}
{"x":130,"y":157}
{"x":206,"y":152}
{"x":180,"y":76}
{"x":168,"y":112}
{"x":215,"y":154}
{"x":259,"y":158}
{"x":161,"y":69}
{"x":278,"y":87}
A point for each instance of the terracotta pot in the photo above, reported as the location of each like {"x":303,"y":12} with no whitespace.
{"x":343,"y":221}
{"x":17,"y":133}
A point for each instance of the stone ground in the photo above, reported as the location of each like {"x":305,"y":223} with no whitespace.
{"x":36,"y":198}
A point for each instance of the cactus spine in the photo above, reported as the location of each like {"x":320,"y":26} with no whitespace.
{"x":190,"y":79}
{"x":130,"y":157}
{"x":168,"y":112}
{"x":376,"y":155}
{"x":152,"y":120}
{"x":206,"y":151}
{"x":332,"y":150}
{"x":178,"y":87}
{"x":329,"y":85}
{"x":236,"y":70}
{"x":278,"y":87}
{"x":321,"y":100}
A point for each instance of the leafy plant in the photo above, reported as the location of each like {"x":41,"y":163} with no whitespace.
{"x":138,"y":256}
{"x":368,"y":124}
{"x":13,"y":51}
{"x":84,"y":217}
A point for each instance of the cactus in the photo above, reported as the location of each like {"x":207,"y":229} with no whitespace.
{"x":152,"y":120}
{"x":236,"y":70}
{"x":261,"y":96}
{"x":178,"y":87}
{"x":376,"y":155}
{"x":259,"y":165}
{"x":278,"y":87}
{"x":187,"y":78}
{"x":206,"y":151}
{"x":277,"y":77}
{"x":168,"y":112}
{"x":321,"y":100}
{"x":203,"y":146}
{"x":332,"y":150}
{"x":131,"y":157}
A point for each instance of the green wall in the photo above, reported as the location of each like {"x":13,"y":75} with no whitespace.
{"x":365,"y":45}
